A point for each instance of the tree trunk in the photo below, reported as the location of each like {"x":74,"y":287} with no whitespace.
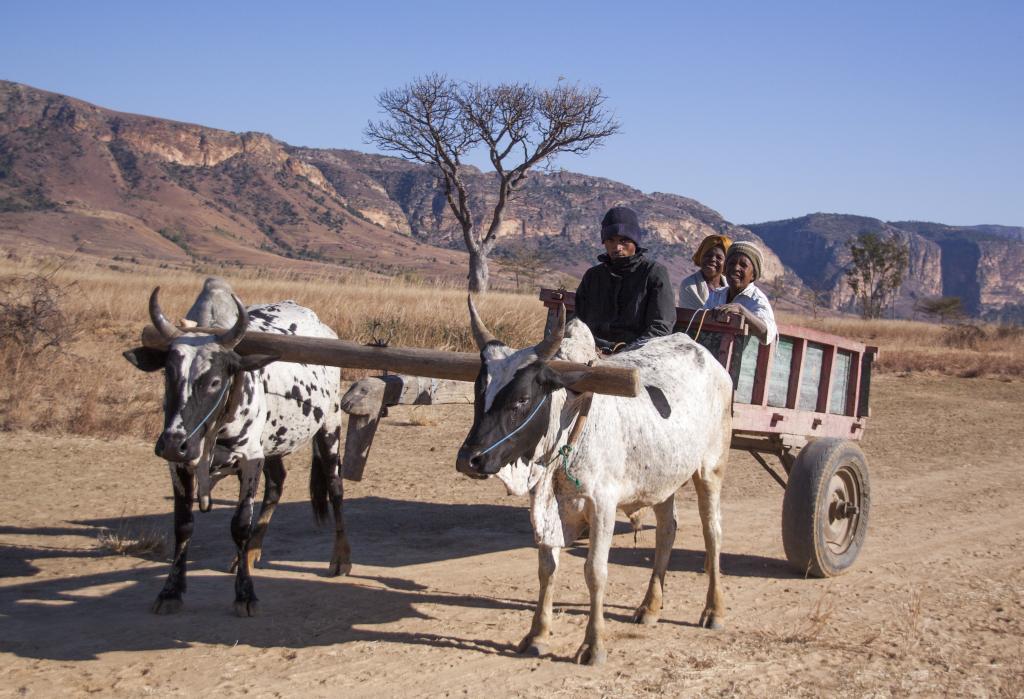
{"x":479,"y":273}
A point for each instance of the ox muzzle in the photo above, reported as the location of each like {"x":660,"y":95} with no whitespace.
{"x":173,"y":446}
{"x":472,"y":463}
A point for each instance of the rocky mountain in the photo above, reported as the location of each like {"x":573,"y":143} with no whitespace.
{"x":74,"y":176}
{"x":77,"y":176}
{"x":981,"y":265}
{"x":556,"y":212}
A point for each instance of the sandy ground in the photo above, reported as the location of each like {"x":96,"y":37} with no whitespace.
{"x":445,"y":577}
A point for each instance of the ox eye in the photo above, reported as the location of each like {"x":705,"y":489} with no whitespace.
{"x":215,"y":384}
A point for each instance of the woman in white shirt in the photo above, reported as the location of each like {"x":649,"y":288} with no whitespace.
{"x":710,"y":257}
{"x":741,"y":295}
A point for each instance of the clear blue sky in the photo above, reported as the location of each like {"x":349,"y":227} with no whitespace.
{"x":761,"y":110}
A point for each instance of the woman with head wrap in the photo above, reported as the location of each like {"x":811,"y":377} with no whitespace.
{"x":741,"y":296}
{"x":710,"y":257}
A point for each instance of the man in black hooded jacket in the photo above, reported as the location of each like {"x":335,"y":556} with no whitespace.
{"x":627,"y":299}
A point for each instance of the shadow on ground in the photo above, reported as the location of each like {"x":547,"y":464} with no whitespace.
{"x":81,"y":617}
{"x":692,"y":561}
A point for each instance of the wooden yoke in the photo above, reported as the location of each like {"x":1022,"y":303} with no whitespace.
{"x":422,"y":377}
{"x":459,"y":366}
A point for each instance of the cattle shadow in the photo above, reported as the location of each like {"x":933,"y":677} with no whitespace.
{"x":81,"y":617}
{"x":692,"y":561}
{"x":72,"y":618}
{"x":383,"y":532}
{"x":17,"y":560}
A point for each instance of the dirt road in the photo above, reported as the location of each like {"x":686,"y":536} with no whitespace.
{"x":444,"y":579}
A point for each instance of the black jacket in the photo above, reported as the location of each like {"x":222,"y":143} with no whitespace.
{"x":634,"y":302}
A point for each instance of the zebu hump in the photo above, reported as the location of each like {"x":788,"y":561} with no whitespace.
{"x":675,"y":364}
{"x":287,"y":318}
{"x":214,"y":307}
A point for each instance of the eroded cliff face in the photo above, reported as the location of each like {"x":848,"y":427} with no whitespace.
{"x":177,"y":143}
{"x":558,"y":212}
{"x":73,"y":175}
{"x":983,"y":266}
{"x":984,"y":269}
{"x":1001,"y":279}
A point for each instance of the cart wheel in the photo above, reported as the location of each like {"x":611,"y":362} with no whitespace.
{"x":825,"y":509}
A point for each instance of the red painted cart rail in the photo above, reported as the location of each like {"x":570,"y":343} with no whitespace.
{"x":807,"y":385}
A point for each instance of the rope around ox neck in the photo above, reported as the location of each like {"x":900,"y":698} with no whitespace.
{"x":574,"y":436}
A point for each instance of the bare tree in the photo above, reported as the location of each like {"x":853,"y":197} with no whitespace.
{"x":437,"y":121}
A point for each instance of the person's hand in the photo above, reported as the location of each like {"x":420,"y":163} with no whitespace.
{"x":722,"y":312}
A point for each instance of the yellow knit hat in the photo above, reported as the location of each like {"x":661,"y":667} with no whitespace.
{"x":710,"y":242}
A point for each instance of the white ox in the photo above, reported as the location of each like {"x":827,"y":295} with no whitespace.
{"x":631,"y":453}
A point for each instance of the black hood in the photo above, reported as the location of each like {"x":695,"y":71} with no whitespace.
{"x":620,"y":265}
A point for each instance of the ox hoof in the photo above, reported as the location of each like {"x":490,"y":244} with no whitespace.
{"x":338,"y":569}
{"x":531,"y":647}
{"x":709,"y":620}
{"x":588,"y":655}
{"x":167,"y":605}
{"x":246,"y":608}
{"x":645,"y":616}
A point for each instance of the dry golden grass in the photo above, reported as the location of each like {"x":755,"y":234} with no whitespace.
{"x":86,"y":387}
{"x":966,"y":350}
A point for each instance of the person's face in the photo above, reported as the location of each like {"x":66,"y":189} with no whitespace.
{"x":713,"y":262}
{"x":739,"y":272}
{"x":619,"y":247}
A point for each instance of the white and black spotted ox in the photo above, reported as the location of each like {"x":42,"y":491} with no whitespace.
{"x":631,"y":453}
{"x":225,"y":413}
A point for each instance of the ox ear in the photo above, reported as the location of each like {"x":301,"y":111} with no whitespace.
{"x":146,"y":359}
{"x":252,"y":362}
{"x":551,"y":380}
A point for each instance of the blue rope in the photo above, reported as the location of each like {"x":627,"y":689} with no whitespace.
{"x":209,"y":414}
{"x":513,"y":432}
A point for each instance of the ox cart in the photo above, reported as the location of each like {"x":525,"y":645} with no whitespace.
{"x":802,"y":400}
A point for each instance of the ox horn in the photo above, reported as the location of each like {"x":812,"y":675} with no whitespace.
{"x":552,"y":336}
{"x":480,"y":332}
{"x":233,"y":336}
{"x":164,"y":327}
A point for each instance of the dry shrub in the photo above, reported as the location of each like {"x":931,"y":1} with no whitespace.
{"x":127,"y":541}
{"x":965,"y":336}
{"x":808,"y":629}
{"x":908,"y":623}
{"x":421,"y":418}
{"x":32,"y":318}
{"x":36,"y":330}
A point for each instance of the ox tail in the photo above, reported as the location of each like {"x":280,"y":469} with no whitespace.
{"x":319,"y":487}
